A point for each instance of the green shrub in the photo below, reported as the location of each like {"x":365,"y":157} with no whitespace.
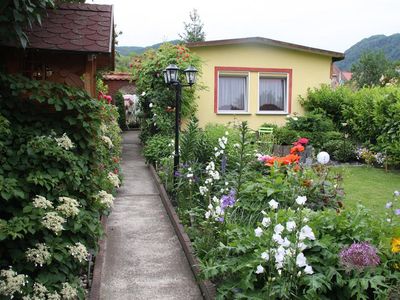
{"x":120,"y":104}
{"x":340,"y":150}
{"x":285,"y":135}
{"x":312,"y":122}
{"x":158,"y":146}
{"x":330,"y":102}
{"x":59,"y":158}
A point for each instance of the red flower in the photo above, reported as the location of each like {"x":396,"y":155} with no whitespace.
{"x":115,"y":171}
{"x":295,"y":149}
{"x":301,"y":141}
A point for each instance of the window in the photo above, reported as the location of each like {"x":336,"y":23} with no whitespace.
{"x":232,"y":93}
{"x":273,"y":94}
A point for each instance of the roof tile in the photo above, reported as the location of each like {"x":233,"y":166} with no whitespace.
{"x":74,"y":27}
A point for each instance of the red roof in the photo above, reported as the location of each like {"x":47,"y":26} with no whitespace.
{"x":117,"y":76}
{"x":74,"y":27}
{"x":347,"y":75}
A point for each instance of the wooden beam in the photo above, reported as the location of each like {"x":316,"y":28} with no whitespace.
{"x":90,"y":75}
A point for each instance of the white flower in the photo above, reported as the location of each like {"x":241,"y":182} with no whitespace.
{"x":236,"y":145}
{"x":306,"y":232}
{"x":53,"y":222}
{"x":53,"y":296}
{"x":396,"y":193}
{"x":208,"y":214}
{"x":265,"y":256}
{"x":301,"y":246}
{"x":301,"y":260}
{"x":266,"y":221}
{"x":221,"y":144}
{"x":107,"y":141}
{"x":277,"y":238}
{"x":264,"y":213}
{"x":11,"y":283}
{"x":203,"y":190}
{"x":218,"y":210}
{"x":308,"y":270}
{"x":103,"y":128}
{"x":143,"y":94}
{"x":290,"y":225}
{"x":226,"y":133}
{"x":69,"y":207}
{"x":39,"y":255}
{"x":273,"y":204}
{"x":300,"y":200}
{"x":278,"y":229}
{"x":286,"y":243}
{"x":215,"y":199}
{"x":42,"y":202}
{"x":114,"y":179}
{"x":260,"y":269}
{"x":190,"y":175}
{"x":39,"y":291}
{"x":258,"y":232}
{"x":105,"y":199}
{"x":305,"y":219}
{"x":68,"y":292}
{"x":65,"y":142}
{"x":79,"y":252}
{"x":280,"y":255}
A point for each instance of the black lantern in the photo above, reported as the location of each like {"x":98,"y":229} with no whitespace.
{"x":191,"y":75}
{"x":172,"y":74}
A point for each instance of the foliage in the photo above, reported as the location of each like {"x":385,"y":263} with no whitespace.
{"x":389,"y":45}
{"x":126,"y":50}
{"x":120,"y":104}
{"x":285,"y":136}
{"x":269,"y":230}
{"x":159,"y":146}
{"x":17,"y":14}
{"x":59,"y":151}
{"x":371,"y":67}
{"x":341,"y":150}
{"x":194,"y":29}
{"x":123,"y":63}
{"x":157,"y":100}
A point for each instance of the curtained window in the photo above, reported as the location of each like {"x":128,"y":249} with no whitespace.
{"x":232,"y":93}
{"x":273,"y":94}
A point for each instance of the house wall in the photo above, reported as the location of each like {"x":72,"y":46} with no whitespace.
{"x":307,"y":69}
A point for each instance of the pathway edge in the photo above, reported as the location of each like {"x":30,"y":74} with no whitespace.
{"x":207,"y":287}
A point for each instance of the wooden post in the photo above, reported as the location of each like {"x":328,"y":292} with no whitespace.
{"x":90,"y":75}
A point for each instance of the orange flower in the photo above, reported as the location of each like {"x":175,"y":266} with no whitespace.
{"x":396,"y":245}
{"x":297,"y":148}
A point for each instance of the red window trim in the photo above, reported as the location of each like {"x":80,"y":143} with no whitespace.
{"x":246,"y":69}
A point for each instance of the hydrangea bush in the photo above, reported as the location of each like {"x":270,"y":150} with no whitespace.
{"x":59,"y":165}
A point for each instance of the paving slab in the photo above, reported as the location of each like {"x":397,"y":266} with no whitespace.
{"x":144,"y":259}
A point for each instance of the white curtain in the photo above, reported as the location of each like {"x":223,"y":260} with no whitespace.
{"x":232,"y":93}
{"x":272,"y":94}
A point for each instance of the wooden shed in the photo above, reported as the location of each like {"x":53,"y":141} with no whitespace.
{"x":73,"y":43}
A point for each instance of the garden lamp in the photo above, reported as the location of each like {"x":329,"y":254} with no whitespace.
{"x":190,"y":73}
{"x":172,"y":74}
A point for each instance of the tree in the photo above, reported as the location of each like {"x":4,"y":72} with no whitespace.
{"x":371,"y":67}
{"x":15,"y":15}
{"x":193,"y":29}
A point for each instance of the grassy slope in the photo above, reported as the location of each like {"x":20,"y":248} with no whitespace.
{"x":371,"y":187}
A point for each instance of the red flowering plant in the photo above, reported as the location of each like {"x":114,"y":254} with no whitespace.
{"x":104,"y":97}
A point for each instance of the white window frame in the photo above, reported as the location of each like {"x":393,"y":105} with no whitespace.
{"x":246,"y":104}
{"x":279,"y":75}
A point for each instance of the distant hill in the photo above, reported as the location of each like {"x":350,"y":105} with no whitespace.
{"x":390,"y":45}
{"x":125,"y":50}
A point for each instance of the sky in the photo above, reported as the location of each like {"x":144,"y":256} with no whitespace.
{"x":331,"y":25}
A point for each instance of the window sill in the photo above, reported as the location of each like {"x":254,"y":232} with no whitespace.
{"x":233,"y":113}
{"x":279,"y":113}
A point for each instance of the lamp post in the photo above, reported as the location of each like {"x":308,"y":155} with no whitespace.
{"x":171,"y":77}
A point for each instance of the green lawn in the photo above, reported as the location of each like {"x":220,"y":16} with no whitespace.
{"x":372,"y":187}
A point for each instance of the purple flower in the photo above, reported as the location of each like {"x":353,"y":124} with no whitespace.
{"x":223,"y":164}
{"x":397,"y":212}
{"x":359,"y":256}
{"x":221,"y":219}
{"x":388,"y":205}
{"x":177,"y":174}
{"x":228,"y":200}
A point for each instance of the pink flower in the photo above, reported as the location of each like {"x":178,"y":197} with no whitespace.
{"x":301,"y":141}
{"x":264,"y":158}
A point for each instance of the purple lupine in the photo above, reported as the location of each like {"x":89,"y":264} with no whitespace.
{"x":359,"y":256}
{"x":221,"y":219}
{"x":228,"y":200}
{"x":397,"y":212}
{"x":223,"y":164}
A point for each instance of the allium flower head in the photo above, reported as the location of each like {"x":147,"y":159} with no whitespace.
{"x":359,"y":256}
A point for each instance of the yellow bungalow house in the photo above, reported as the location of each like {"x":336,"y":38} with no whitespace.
{"x":258,"y":80}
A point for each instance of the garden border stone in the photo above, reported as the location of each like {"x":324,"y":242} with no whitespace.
{"x":207,"y":288}
{"x":94,"y":293}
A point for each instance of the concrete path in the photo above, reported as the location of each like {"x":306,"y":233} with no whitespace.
{"x":144,"y":259}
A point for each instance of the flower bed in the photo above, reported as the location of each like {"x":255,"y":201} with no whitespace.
{"x":59,"y":158}
{"x":267,"y":227}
